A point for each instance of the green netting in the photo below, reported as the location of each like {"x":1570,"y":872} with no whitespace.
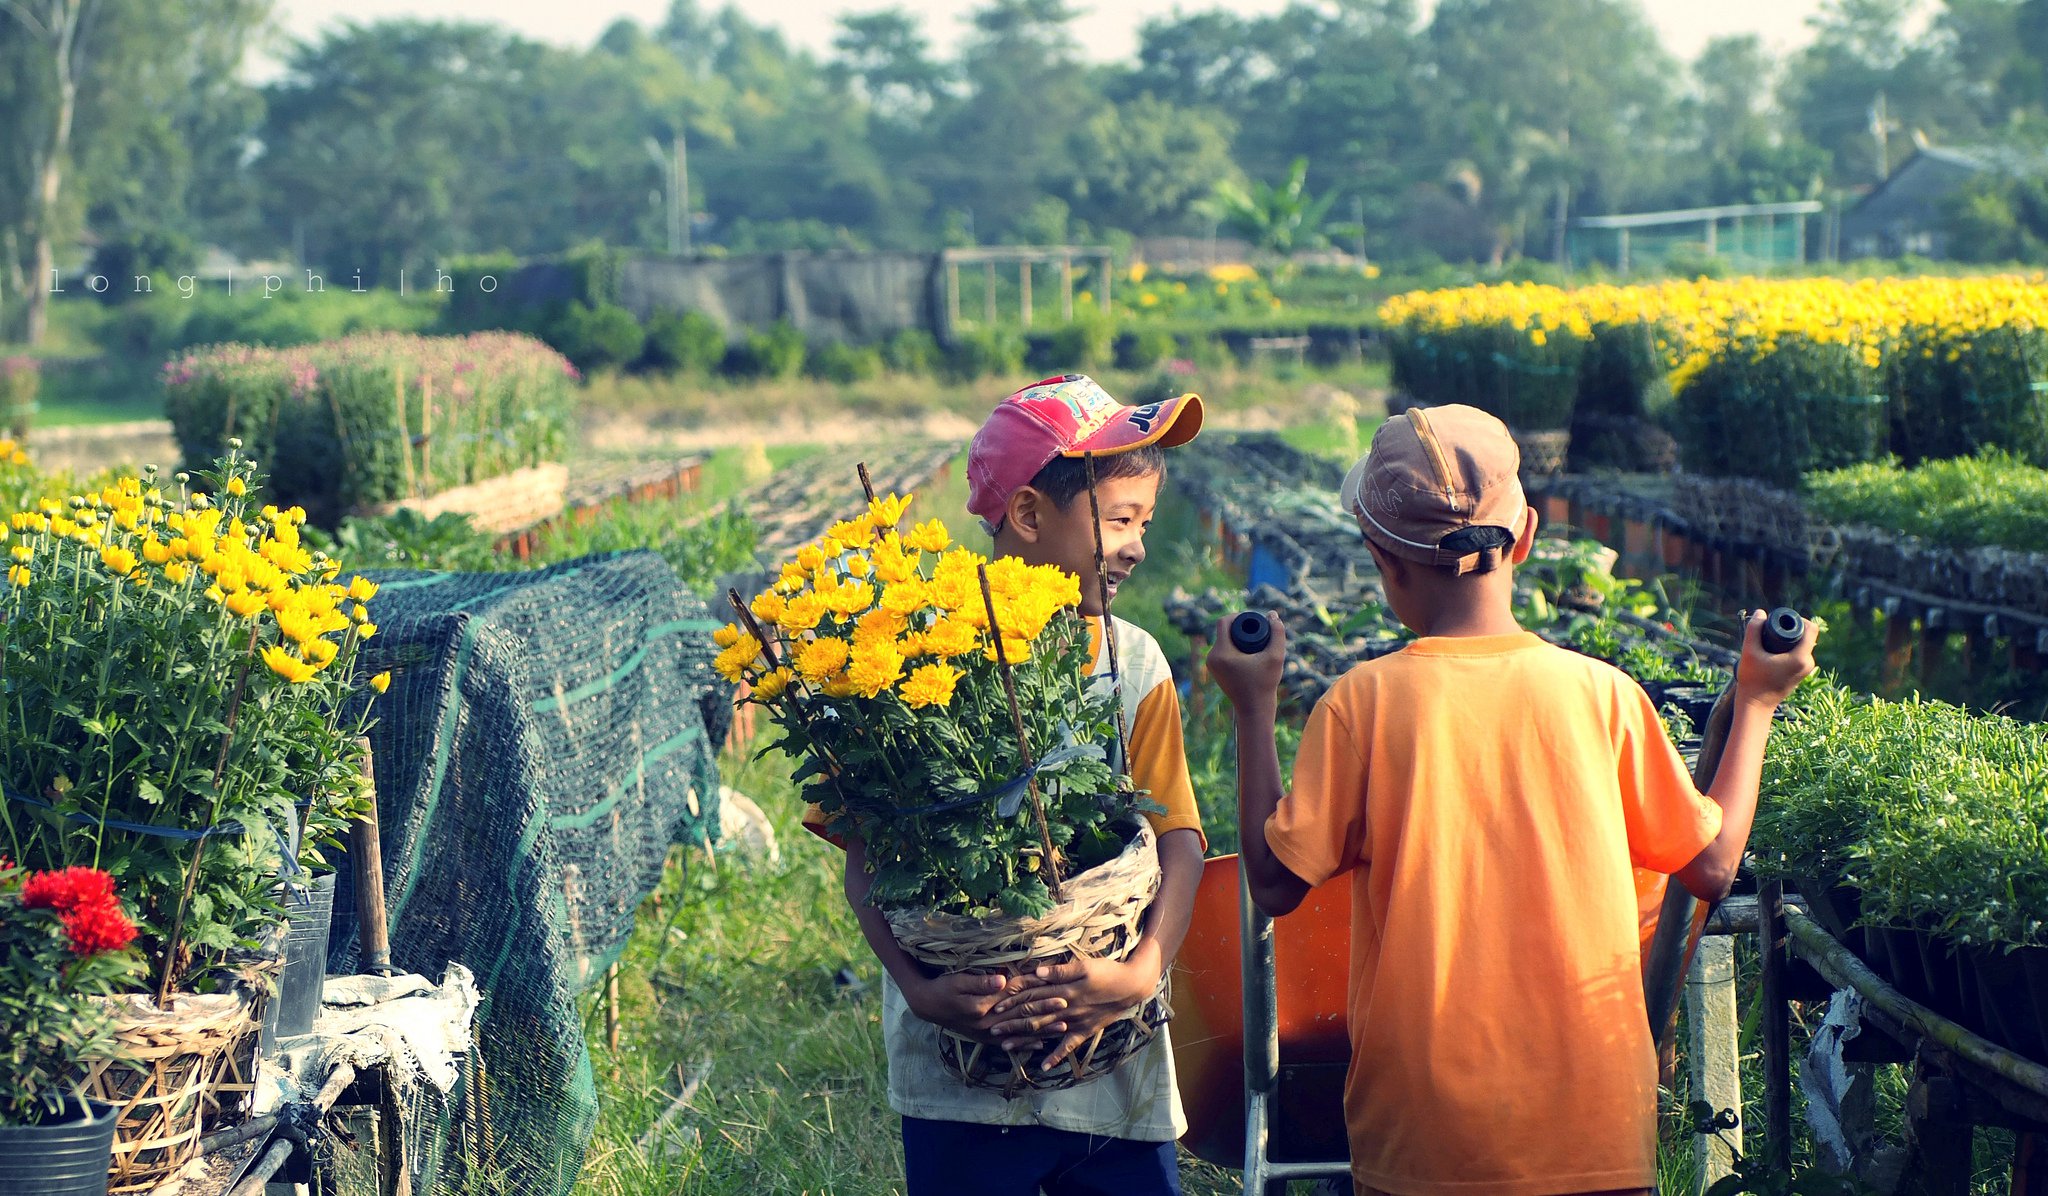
{"x":1750,"y":244}
{"x":546,"y":738}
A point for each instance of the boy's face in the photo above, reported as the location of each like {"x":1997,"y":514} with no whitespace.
{"x":1043,"y":533}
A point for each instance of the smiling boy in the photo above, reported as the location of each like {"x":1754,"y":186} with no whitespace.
{"x":1028,"y":483}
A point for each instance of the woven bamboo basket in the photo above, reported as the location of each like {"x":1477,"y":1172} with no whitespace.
{"x":1544,"y":454}
{"x":172,"y":1069}
{"x":1098,"y":917}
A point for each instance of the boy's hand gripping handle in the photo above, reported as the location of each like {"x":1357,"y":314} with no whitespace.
{"x":1250,"y":632}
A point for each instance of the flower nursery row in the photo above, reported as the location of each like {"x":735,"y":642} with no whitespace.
{"x":1758,"y":378}
{"x":1919,"y":833}
{"x":1992,"y":500}
{"x":367,"y":419}
{"x":182,"y":743}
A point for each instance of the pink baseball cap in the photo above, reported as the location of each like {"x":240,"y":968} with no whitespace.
{"x":1067,"y":416}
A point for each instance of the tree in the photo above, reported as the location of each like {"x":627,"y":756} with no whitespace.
{"x":1004,"y":142}
{"x":1745,"y":154}
{"x":1142,"y":165}
{"x":1547,"y":104}
{"x":1862,"y":88}
{"x":888,"y":55}
{"x":1279,"y":219}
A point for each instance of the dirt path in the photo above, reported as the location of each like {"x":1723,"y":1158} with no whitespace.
{"x":613,"y":432}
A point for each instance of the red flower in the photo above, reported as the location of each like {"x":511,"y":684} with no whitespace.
{"x":68,"y":890}
{"x":98,"y":927}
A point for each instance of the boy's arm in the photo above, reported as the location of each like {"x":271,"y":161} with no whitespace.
{"x":1252,"y":684}
{"x":1078,"y":998}
{"x":960,"y":1002}
{"x":1762,"y":681}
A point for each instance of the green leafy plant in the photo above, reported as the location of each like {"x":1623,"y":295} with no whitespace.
{"x":690,"y":342}
{"x":594,"y":338}
{"x":910,"y":351}
{"x":1993,"y":499}
{"x":1937,"y":815}
{"x":923,"y":761}
{"x":774,"y":352}
{"x":64,"y":940}
{"x":836,"y":361}
{"x":980,"y":352}
{"x":179,"y":673}
{"x":405,"y":539}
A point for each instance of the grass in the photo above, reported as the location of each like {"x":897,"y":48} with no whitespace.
{"x":754,"y":977}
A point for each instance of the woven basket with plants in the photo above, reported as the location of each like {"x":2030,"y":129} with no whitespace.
{"x":183,"y":716}
{"x":940,"y":707}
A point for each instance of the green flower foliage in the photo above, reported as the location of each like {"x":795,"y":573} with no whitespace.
{"x":1995,"y":499}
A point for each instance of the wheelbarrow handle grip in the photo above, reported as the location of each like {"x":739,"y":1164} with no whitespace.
{"x":1250,"y":632}
{"x":1783,"y":629}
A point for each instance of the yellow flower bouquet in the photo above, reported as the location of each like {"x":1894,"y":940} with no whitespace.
{"x":873,"y":655}
{"x":940,"y":706}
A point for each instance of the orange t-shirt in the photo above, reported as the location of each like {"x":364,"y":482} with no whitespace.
{"x":1493,"y":794}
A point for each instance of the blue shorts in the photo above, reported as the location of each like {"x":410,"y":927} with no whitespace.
{"x":944,"y":1158}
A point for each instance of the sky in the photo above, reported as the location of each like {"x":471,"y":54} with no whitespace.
{"x":1107,"y":29}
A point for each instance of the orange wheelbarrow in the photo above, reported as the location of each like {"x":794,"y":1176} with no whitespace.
{"x":1262,"y":1078}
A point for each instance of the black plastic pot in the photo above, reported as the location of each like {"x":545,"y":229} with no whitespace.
{"x":309,"y":910}
{"x":1836,"y":907}
{"x":2005,"y":1000}
{"x":1941,"y":974}
{"x":67,"y":1157}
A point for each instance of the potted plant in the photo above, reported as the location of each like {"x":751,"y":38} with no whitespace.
{"x":64,"y":940}
{"x":178,"y":665}
{"x":987,"y":804}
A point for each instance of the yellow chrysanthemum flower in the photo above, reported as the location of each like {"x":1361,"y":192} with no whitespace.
{"x":885,"y":513}
{"x":177,"y":573}
{"x":726,"y":636}
{"x":803,"y":612}
{"x":118,"y":561}
{"x":878,"y":625}
{"x":18,"y":576}
{"x":22,"y":552}
{"x":1015,"y":651}
{"x":875,"y":666}
{"x":381,"y":681}
{"x":773,"y":684}
{"x":822,"y":658}
{"x":839,"y":686}
{"x":767,"y":607}
{"x":237,"y":487}
{"x":733,"y":662}
{"x":930,"y":685}
{"x":906,"y":597}
{"x":948,"y":637}
{"x":244,"y":604}
{"x":929,"y":536}
{"x":362,"y":589}
{"x":288,"y":666}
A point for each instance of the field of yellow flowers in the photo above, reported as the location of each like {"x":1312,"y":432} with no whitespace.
{"x":1759,"y":377}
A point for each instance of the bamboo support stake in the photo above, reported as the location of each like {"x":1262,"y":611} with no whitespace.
{"x":995,"y":635}
{"x":1116,"y":676}
{"x":366,"y":858}
{"x":611,"y":1008}
{"x":867,"y":484}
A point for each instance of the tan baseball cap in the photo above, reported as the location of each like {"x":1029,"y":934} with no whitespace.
{"x":1432,"y":473}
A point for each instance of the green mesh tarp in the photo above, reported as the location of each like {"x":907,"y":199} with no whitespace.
{"x":546,"y":738}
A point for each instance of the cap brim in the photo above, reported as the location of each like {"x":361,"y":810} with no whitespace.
{"x":1167,"y":424}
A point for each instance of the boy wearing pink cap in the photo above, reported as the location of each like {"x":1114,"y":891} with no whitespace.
{"x":1028,"y":481}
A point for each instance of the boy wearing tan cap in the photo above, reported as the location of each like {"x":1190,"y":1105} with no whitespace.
{"x":1491,"y":794}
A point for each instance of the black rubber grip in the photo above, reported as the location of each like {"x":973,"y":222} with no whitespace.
{"x":1250,"y":632}
{"x":1783,"y":629}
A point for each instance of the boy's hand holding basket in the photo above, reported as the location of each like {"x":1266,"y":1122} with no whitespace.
{"x":941,"y":710}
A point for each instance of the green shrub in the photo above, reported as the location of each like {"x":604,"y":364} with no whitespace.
{"x":1622,"y":373}
{"x":346,"y":424}
{"x":1961,"y":391}
{"x":1145,"y":348}
{"x":1529,"y":379}
{"x":911,"y":351}
{"x":683,"y":341}
{"x":1994,"y":499}
{"x":1775,"y":415}
{"x":1077,"y":348}
{"x":981,"y":352}
{"x":1935,"y":814}
{"x":776,"y":352}
{"x":836,"y":361}
{"x":596,"y":338}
